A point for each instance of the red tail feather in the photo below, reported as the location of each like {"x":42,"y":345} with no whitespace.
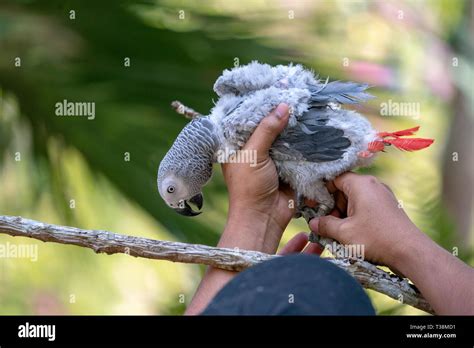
{"x":394,"y":138}
{"x":412,"y":144}
{"x":401,"y":133}
{"x":376,"y":146}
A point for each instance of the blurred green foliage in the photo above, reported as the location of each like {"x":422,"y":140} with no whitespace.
{"x":177,"y":49}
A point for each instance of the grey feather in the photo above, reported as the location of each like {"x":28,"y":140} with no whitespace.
{"x":339,"y":92}
{"x":315,"y":141}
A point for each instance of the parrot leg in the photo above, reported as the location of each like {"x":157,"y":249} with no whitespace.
{"x":302,"y":210}
{"x":325,"y":205}
{"x":308,"y":213}
{"x":324,"y":198}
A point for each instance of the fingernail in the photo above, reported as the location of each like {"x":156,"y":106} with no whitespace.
{"x":281,"y":110}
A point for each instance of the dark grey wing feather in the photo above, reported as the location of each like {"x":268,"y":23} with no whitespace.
{"x":339,"y":92}
{"x":311,"y":140}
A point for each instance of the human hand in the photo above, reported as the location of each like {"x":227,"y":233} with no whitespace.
{"x":299,"y":244}
{"x":375,"y":220}
{"x":255,"y":194}
{"x":367,"y":213}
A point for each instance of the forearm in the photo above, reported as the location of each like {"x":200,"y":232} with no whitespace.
{"x":247,"y":231}
{"x":445,"y":281}
{"x":213,"y":281}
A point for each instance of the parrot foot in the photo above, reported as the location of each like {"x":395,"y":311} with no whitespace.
{"x":311,"y":213}
{"x":323,"y":210}
{"x":313,"y":238}
{"x":308,"y":213}
{"x":302,"y":210}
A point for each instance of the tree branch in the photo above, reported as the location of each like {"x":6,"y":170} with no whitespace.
{"x":368,"y":275}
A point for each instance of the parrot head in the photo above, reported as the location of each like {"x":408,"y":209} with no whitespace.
{"x":187,"y":167}
{"x":178,"y":195}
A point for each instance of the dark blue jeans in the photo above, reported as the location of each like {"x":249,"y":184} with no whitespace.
{"x":297,"y":284}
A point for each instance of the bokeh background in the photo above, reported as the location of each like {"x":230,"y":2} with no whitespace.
{"x":414,"y":51}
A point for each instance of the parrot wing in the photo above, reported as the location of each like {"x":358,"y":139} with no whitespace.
{"x":311,"y":140}
{"x":338,"y":92}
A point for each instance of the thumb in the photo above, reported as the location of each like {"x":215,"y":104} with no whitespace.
{"x":267,"y":131}
{"x":327,"y":226}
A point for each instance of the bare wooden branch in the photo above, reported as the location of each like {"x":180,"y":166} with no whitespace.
{"x":368,"y":275}
{"x":182,"y":109}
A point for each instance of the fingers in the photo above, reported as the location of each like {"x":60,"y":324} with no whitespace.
{"x":340,"y":204}
{"x":313,"y":248}
{"x":299,"y":243}
{"x":331,"y":187}
{"x":347,"y":183}
{"x":388,"y":188}
{"x":295,"y":244}
{"x":327,"y":226}
{"x":337,"y":213}
{"x":354,"y":185}
{"x":267,"y":131}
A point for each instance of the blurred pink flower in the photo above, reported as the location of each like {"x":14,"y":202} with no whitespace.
{"x":47,"y":303}
{"x":372,"y":73}
{"x":436,"y":69}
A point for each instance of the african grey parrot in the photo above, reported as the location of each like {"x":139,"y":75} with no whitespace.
{"x":320,"y":142}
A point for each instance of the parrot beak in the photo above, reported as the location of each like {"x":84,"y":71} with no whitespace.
{"x":187,"y":210}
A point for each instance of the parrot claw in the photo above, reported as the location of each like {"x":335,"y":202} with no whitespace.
{"x":308,"y":213}
{"x":313,"y":238}
{"x":323,"y":210}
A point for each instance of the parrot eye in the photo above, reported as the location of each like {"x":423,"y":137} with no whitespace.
{"x":170,"y":189}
